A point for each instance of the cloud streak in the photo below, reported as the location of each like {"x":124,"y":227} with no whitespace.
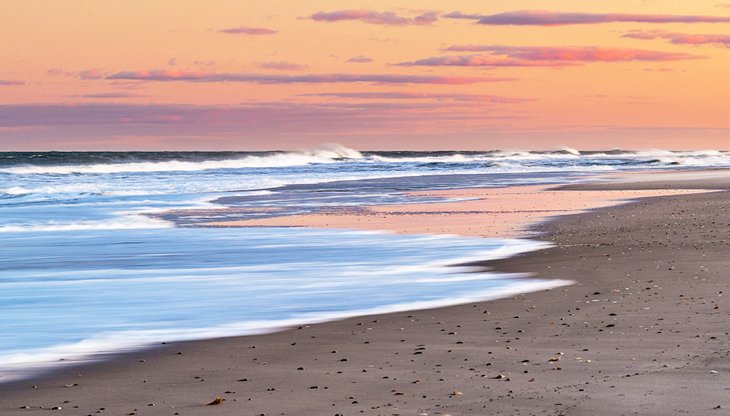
{"x":248,"y":30}
{"x":203,"y":77}
{"x":7,"y":83}
{"x":375,"y":18}
{"x":485,"y":60}
{"x":681,"y":38}
{"x":360,"y":59}
{"x":116,"y":125}
{"x":94,"y":73}
{"x":282,"y":66}
{"x":552,"y":18}
{"x":108,"y":95}
{"x":544,"y":56}
{"x":492,"y":99}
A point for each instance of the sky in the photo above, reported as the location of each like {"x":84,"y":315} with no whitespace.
{"x":372,"y":75}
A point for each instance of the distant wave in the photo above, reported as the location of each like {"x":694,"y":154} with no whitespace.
{"x":325,"y":154}
{"x":609,"y":157}
{"x":510,"y":160}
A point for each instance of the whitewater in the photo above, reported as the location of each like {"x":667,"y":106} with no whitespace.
{"x":107,"y":251}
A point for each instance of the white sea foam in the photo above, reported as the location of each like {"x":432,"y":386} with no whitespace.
{"x":571,"y":150}
{"x":18,"y":364}
{"x":195,"y":190}
{"x":119,"y":223}
{"x":510,"y":159}
{"x":73,"y":189}
{"x":455,"y":158}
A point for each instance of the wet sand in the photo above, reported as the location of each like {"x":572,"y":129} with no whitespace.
{"x":479,"y":212}
{"x":643,"y":331}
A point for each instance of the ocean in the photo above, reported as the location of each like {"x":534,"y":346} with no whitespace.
{"x":106,"y":251}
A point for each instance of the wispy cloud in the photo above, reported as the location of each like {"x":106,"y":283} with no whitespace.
{"x":360,"y":59}
{"x":494,"y":99}
{"x":552,"y":18}
{"x":248,"y":30}
{"x":114,"y":125}
{"x":544,"y":56}
{"x":6,"y":82}
{"x":681,"y":38}
{"x":282,"y":66}
{"x":375,"y":18}
{"x":200,"y":76}
{"x":24,"y":115}
{"x":94,"y":73}
{"x":484,"y":60}
{"x":111,"y":95}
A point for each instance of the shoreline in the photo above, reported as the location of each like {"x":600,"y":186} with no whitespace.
{"x":500,"y":212}
{"x":449,"y":343}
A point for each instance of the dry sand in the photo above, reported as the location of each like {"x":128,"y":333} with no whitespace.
{"x":644,"y":331}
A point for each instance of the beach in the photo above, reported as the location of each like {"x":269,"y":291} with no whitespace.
{"x":317,"y":208}
{"x":642,"y":331}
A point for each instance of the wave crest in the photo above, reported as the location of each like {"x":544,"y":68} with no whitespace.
{"x":329,"y":153}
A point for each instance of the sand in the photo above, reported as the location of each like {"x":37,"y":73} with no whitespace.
{"x":481,"y":212}
{"x":643,"y":331}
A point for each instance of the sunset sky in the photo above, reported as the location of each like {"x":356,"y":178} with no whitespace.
{"x":275,"y":74}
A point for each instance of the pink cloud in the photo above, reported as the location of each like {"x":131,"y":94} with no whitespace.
{"x":681,"y":38}
{"x":266,"y":126}
{"x":53,"y":125}
{"x":55,"y":72}
{"x":282,"y":66}
{"x":549,"y":56}
{"x":495,"y":99}
{"x":105,"y":95}
{"x":360,"y":59}
{"x":486,"y":60}
{"x":247,"y":30}
{"x":551,"y":18}
{"x":375,"y":18}
{"x":6,"y":83}
{"x":201,"y":76}
{"x":91,"y":74}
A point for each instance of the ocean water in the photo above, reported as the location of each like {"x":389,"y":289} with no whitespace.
{"x":101,"y":252}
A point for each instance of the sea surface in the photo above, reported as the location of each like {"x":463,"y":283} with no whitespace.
{"x":106,"y":251}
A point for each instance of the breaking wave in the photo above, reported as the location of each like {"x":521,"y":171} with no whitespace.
{"x":325,"y":154}
{"x":510,"y":160}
